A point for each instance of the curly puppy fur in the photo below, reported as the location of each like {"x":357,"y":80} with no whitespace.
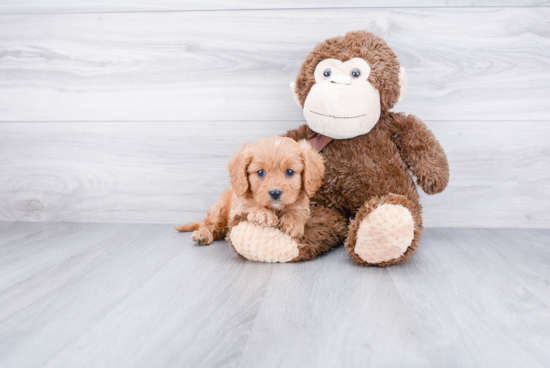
{"x":362,"y":172}
{"x":272,"y":181}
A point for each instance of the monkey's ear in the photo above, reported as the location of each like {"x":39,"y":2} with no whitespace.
{"x":402,"y":83}
{"x":294,"y":94}
{"x":238,"y":167}
{"x":314,"y":168}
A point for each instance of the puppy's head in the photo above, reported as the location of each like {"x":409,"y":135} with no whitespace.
{"x":276,"y":170}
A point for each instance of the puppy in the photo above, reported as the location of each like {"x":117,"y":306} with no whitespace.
{"x":272,"y":181}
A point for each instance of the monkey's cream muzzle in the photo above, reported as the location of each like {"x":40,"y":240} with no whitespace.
{"x":342,"y":111}
{"x":342,"y":103}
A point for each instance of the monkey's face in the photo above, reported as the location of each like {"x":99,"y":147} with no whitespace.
{"x":346,"y":83}
{"x":342,"y":103}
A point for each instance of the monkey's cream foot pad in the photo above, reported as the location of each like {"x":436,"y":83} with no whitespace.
{"x":385,"y":234}
{"x":263,"y":244}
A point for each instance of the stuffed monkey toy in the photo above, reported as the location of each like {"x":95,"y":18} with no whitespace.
{"x":368,"y":199}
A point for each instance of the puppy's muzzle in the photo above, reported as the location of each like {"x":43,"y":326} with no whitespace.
{"x":275,"y":194}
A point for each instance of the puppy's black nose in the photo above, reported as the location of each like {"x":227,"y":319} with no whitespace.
{"x":275,"y":194}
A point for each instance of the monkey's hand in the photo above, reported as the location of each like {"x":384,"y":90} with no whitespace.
{"x":263,"y":217}
{"x":422,"y":152}
{"x":435,"y":181}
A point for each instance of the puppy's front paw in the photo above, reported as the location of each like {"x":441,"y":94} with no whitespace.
{"x":202,"y":237}
{"x":263,"y":217}
{"x":293,"y":228}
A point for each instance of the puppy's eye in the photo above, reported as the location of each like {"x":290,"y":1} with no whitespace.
{"x":261,"y":173}
{"x":289,"y":173}
{"x":355,"y":73}
{"x":327,"y":73}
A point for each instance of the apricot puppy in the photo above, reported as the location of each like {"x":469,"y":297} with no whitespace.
{"x":272,"y":181}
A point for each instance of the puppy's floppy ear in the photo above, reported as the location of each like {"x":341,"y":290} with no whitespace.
{"x":314,"y":169}
{"x":237,"y":169}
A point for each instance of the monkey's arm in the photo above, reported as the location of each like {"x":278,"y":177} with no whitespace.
{"x":302,"y":132}
{"x":421,"y":150}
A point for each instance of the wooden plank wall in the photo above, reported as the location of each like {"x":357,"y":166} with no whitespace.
{"x":127,"y":111}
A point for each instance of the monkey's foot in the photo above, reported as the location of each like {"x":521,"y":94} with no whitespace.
{"x":385,"y":231}
{"x":263,"y":244}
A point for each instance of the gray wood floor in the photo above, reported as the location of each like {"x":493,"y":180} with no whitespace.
{"x":93,"y":295}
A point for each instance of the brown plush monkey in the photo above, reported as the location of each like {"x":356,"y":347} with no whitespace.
{"x":368,"y":199}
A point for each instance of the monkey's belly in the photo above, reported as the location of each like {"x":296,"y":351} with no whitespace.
{"x":348,"y":192}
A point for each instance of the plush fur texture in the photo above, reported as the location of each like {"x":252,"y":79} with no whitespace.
{"x":324,"y":230}
{"x":341,"y":106}
{"x":384,"y":75}
{"x":363,"y":170}
{"x":381,"y":227}
{"x":385,"y":234}
{"x":371,"y":170}
{"x":276,"y":246}
{"x":368,"y":197}
{"x":272,"y":181}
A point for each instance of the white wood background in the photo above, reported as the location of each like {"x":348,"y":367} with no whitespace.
{"x":127,"y":111}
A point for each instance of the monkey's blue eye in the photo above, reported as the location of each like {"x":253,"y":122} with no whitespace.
{"x":355,"y":73}
{"x":261,"y":173}
{"x":327,"y":73}
{"x":289,"y":172}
